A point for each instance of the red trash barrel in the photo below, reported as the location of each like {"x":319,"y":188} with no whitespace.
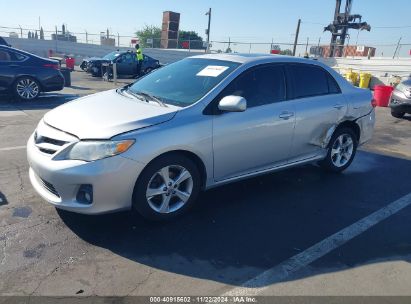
{"x":382,"y":94}
{"x":70,"y":63}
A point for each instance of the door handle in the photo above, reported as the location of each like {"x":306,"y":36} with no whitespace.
{"x":286,"y":115}
{"x":339,"y":106}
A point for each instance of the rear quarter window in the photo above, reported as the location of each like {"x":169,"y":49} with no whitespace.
{"x":17,"y":57}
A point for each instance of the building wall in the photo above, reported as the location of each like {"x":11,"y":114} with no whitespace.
{"x":82,"y":50}
{"x":378,"y":67}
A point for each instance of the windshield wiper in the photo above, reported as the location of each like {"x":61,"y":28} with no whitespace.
{"x":151,"y":97}
{"x":138,"y":96}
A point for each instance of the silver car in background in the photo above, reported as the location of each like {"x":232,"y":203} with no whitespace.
{"x":195,"y":124}
{"x":400,"y":101}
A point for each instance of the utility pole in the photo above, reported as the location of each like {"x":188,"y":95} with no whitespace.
{"x":21,"y":31}
{"x":208,"y":30}
{"x":396,"y":49}
{"x":297,"y":32}
{"x":86,"y":37}
{"x":118,"y":40}
{"x":306,"y":46}
{"x":318,"y":53}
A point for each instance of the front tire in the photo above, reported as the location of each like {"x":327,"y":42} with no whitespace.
{"x":167,"y":187}
{"x":397,"y":114}
{"x":341,"y":150}
{"x":26,"y":89}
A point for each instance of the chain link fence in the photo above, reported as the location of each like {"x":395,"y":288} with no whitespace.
{"x":314,"y":49}
{"x":102,"y":38}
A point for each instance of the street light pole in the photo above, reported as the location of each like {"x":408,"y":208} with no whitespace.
{"x":208,"y":30}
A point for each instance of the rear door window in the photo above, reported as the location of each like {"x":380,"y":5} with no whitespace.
{"x":310,"y":80}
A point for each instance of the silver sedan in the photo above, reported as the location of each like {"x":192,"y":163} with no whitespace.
{"x":195,"y":124}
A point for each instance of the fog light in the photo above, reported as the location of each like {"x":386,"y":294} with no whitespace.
{"x":85,"y":194}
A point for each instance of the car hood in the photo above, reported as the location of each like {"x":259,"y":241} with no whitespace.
{"x":91,"y":59}
{"x":106,"y":114}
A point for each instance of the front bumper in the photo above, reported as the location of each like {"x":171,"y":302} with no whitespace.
{"x":400,"y":103}
{"x":58,"y":182}
{"x":53,"y":83}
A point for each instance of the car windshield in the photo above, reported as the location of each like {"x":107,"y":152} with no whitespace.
{"x":184,"y":82}
{"x":111,"y":56}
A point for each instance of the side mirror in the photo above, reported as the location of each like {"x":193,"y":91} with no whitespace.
{"x":233,"y":104}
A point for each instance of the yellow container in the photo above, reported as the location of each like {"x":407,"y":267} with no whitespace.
{"x":352,"y":77}
{"x":365,"y":80}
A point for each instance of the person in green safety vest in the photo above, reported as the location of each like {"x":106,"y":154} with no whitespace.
{"x":140,"y":57}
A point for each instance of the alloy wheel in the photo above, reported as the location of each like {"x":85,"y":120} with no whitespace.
{"x":169,"y":189}
{"x":27,"y":88}
{"x":342,"y":150}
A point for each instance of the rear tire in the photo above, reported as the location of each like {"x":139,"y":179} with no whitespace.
{"x":341,"y":150}
{"x":167,"y":187}
{"x":26,"y":88}
{"x":397,"y":114}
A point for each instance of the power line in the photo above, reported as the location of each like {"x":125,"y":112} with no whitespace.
{"x":393,"y":27}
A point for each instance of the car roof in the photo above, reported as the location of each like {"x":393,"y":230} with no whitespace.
{"x":253,"y":58}
{"x":407,"y":81}
{"x":5,"y":47}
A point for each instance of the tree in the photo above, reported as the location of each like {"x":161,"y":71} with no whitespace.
{"x":36,"y":36}
{"x":286,"y":52}
{"x":149,"y":32}
{"x":41,"y":33}
{"x":185,"y":37}
{"x":154,"y":32}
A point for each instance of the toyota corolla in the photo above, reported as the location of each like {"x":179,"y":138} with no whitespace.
{"x":201,"y":122}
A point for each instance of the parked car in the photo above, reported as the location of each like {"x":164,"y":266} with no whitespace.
{"x":85,"y":63}
{"x":400,"y":101}
{"x":26,"y":75}
{"x":192,"y":125}
{"x":3,"y":42}
{"x":126,"y":64}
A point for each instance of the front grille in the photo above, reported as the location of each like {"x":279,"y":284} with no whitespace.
{"x":47,"y":151}
{"x":50,"y":144}
{"x":52,"y":141}
{"x":48,"y":186}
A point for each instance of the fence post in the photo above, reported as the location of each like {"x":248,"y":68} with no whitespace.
{"x":115,"y":73}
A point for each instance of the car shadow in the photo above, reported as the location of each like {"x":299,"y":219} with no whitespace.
{"x":238,"y":230}
{"x":44,"y":101}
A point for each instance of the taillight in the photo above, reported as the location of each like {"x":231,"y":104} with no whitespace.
{"x":373,"y":102}
{"x":52,"y":65}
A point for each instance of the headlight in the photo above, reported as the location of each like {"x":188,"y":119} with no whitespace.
{"x":94,"y":150}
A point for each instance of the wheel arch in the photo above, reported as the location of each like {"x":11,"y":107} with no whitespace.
{"x":27,"y":76}
{"x":190,"y":155}
{"x":352,"y":125}
{"x":325,"y":142}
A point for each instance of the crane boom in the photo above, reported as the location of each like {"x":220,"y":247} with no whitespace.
{"x":343,"y":21}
